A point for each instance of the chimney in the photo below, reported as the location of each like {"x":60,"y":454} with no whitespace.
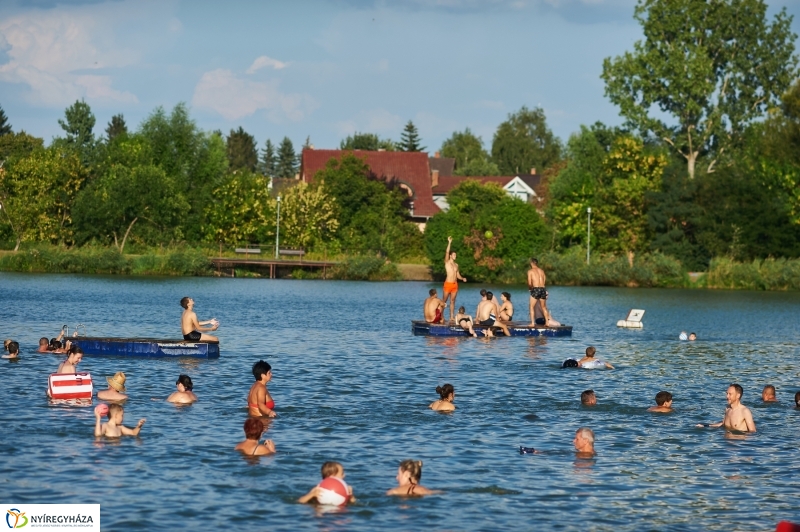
{"x":435,"y":178}
{"x":533,"y":171}
{"x":436,"y":155}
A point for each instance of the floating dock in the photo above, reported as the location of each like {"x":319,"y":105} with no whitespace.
{"x":145,"y":347}
{"x":423,"y":328}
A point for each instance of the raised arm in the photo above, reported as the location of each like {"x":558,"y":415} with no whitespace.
{"x":98,"y":429}
{"x":447,"y":253}
{"x":134,"y":431}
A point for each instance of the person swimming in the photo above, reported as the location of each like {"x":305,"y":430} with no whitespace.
{"x":70,"y":365}
{"x":663,"y":402}
{"x":114,"y":427}
{"x":737,"y":416}
{"x":183,"y":394}
{"x":259,"y":401}
{"x":590,"y":362}
{"x":408,"y":476}
{"x":445,"y":402}
{"x":584,"y":442}
{"x":13,"y":350}
{"x":768,"y":394}
{"x":253,"y":429}
{"x":588,"y":398}
{"x":116,"y":387}
{"x":321,"y":492}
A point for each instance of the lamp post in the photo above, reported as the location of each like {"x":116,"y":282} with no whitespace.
{"x":278,"y":227}
{"x":588,"y":233}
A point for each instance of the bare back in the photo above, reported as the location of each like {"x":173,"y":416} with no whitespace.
{"x":189,"y":322}
{"x":485,"y":308}
{"x":536,"y":277}
{"x":430,"y":306}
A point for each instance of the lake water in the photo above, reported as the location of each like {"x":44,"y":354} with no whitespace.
{"x":352,"y":384}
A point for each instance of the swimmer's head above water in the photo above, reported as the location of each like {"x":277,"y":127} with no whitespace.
{"x":446,"y":391}
{"x":584,"y":440}
{"x":664,"y":399}
{"x":768,"y":394}
{"x":262,"y":368}
{"x":588,"y":398}
{"x":185,"y":381}
{"x":590,"y":351}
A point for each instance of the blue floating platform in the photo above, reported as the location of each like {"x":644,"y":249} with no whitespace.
{"x":423,"y":328}
{"x":145,"y":347}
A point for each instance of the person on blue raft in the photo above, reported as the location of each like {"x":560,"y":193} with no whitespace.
{"x":590,"y":362}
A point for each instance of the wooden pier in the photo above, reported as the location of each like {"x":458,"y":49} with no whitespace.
{"x":232,"y":263}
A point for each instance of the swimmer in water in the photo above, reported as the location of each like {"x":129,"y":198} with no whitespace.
{"x":114,"y":427}
{"x":329,"y":470}
{"x":797,"y":400}
{"x":584,"y":442}
{"x":589,"y":361}
{"x":445,"y":404}
{"x":663,"y":402}
{"x":184,"y":394}
{"x":506,"y":309}
{"x":44,"y":345}
{"x":465,"y":321}
{"x":116,"y":385}
{"x":737,"y":416}
{"x":70,"y":365}
{"x":408,"y":476}
{"x":259,"y":401}
{"x":13,"y":350}
{"x":588,"y":398}
{"x":432,"y":308}
{"x":692,"y":337}
{"x":193,"y":330}
{"x":768,"y":394}
{"x":253,"y":429}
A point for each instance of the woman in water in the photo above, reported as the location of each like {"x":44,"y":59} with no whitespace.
{"x":465,"y":321}
{"x":506,"y":309}
{"x":253,"y":429}
{"x":408,"y":475}
{"x":184,"y":394}
{"x":259,"y":401}
{"x":447,"y":394}
{"x":590,"y":362}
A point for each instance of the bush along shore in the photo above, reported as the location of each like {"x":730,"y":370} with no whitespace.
{"x":563,"y":269}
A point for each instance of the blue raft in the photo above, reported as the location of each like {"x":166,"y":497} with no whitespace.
{"x":423,"y":328}
{"x":146,"y":347}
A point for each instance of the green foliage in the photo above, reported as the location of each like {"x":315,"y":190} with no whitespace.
{"x":648,"y":270}
{"x":471,"y":158}
{"x":287,"y":160}
{"x":242,"y":153}
{"x":767,"y":274}
{"x":5,"y":127}
{"x":366,"y":141}
{"x":175,"y":262}
{"x":242,"y":210}
{"x":523,"y":142}
{"x":78,"y":124}
{"x":116,"y":127}
{"x":714,"y":66}
{"x":49,"y":259}
{"x":409,"y":139}
{"x":366,"y":269}
{"x":269,"y":161}
{"x":18,"y":145}
{"x":517,"y":232}
{"x":308,"y":216}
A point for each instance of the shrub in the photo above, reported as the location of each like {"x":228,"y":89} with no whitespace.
{"x":366,"y":269}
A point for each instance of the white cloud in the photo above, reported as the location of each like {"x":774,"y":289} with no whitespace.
{"x":234,"y":97}
{"x":46,"y":48}
{"x":264,"y":62}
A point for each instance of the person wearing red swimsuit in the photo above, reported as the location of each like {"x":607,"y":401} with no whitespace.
{"x":259,"y":401}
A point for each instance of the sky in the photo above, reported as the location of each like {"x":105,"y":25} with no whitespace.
{"x":316,"y":69}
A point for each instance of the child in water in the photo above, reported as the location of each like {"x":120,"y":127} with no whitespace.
{"x":114,"y":427}
{"x":590,"y":362}
{"x":663,"y":402}
{"x":445,"y":404}
{"x":408,"y":475}
{"x":332,"y":488}
{"x":13,"y":350}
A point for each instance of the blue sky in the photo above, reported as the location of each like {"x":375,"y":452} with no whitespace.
{"x":311,"y":68}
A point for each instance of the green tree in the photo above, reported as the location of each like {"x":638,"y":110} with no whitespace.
{"x":269,"y":161}
{"x":714,"y":66}
{"x":5,"y":127}
{"x":366,"y":141}
{"x":116,"y":127}
{"x":242,"y":151}
{"x":409,"y":139}
{"x":18,"y":145}
{"x":523,"y":142}
{"x":471,"y":158}
{"x":308,"y":215}
{"x":287,"y":159}
{"x":78,"y":124}
{"x":242,"y":210}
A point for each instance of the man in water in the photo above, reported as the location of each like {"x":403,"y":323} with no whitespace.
{"x":768,"y":394}
{"x":536,"y":285}
{"x":737,"y":416}
{"x":588,"y":398}
{"x":432,"y":308}
{"x":193,"y":330}
{"x":487,"y":314}
{"x":450,"y":289}
{"x":663,"y":402}
{"x":584,"y":442}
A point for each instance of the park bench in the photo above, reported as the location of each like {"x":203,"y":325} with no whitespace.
{"x":293,"y":252}
{"x":249,"y":251}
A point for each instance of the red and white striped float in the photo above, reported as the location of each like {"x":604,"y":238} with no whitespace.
{"x":70,"y":386}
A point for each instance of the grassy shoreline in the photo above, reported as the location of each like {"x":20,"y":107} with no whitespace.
{"x":567,"y":269}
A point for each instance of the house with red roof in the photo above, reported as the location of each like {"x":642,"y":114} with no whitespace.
{"x":519,"y":186}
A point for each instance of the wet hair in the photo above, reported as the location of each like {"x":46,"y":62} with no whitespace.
{"x":261,"y":368}
{"x":432,"y":292}
{"x":186,"y":381}
{"x":253,"y":428}
{"x":329,"y":469}
{"x":461,"y":310}
{"x":570,"y":363}
{"x":586,"y":433}
{"x":535,"y":261}
{"x":590,"y":351}
{"x":663,"y":397}
{"x":13,"y":347}
{"x":489,"y":296}
{"x":445,"y":391}
{"x":738,"y":388}
{"x":74,"y":350}
{"x":797,"y":398}
{"x":483,"y":292}
{"x":586,"y":395}
{"x":506,"y":295}
{"x":185,"y":302}
{"x":414,"y":468}
{"x":43,"y":341}
{"x":113,"y":409}
{"x":55,"y":344}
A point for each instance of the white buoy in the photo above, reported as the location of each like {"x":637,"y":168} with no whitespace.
{"x":633,"y":320}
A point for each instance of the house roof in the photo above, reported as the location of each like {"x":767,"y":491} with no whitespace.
{"x":532,"y":180}
{"x":448,"y":183}
{"x":445,"y":165}
{"x":407,"y":168}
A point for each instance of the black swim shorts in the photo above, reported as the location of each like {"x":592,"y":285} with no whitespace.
{"x":489,"y":322}
{"x":539,"y":293}
{"x":193,"y":336}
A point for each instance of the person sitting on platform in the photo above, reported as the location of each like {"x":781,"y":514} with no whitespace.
{"x":114,"y":427}
{"x":44,"y":345}
{"x":768,"y":394}
{"x":590,"y":362}
{"x":487,"y":314}
{"x":184,"y":395}
{"x":193,"y":330}
{"x":253,"y":429}
{"x":116,"y":385}
{"x":506,"y":309}
{"x":663,"y":402}
{"x":259,"y":401}
{"x":13,"y":350}
{"x":433,"y":307}
{"x":445,"y":402}
{"x":465,"y":321}
{"x":73,"y":359}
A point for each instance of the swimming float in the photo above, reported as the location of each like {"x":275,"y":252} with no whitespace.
{"x":332,"y":491}
{"x":633,"y":320}
{"x":70,"y":386}
{"x":594,"y":364}
{"x":569,"y":363}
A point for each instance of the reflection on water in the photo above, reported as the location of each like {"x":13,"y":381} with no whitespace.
{"x":358,"y":392}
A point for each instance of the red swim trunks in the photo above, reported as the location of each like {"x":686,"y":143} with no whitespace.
{"x":450,"y":288}
{"x":437,"y":318}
